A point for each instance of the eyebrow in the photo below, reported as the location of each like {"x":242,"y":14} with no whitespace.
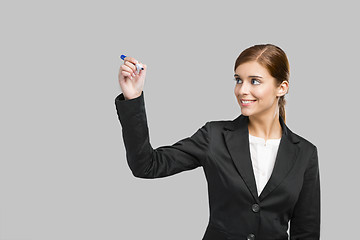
{"x":236,"y":75}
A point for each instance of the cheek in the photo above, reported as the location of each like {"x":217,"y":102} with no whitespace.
{"x":236,"y":90}
{"x":264,"y":93}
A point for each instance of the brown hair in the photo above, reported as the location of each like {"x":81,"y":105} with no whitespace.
{"x":274,"y":60}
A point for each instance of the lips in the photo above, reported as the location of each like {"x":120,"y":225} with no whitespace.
{"x":247,"y":101}
{"x":244,"y":102}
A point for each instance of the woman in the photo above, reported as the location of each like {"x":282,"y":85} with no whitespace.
{"x":260,"y":174}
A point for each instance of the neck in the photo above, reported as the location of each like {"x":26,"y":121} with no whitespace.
{"x":266,"y":126}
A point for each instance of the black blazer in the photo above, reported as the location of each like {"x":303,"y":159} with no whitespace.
{"x":222,"y":149}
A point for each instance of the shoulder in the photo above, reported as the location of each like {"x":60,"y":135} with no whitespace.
{"x":304,"y":143}
{"x":219,"y":125}
{"x":229,"y":124}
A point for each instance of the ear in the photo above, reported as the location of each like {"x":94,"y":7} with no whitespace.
{"x":283,"y":89}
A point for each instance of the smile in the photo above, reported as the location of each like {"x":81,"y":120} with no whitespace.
{"x":247,"y":102}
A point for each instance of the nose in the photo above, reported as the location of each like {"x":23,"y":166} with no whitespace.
{"x":243,"y":89}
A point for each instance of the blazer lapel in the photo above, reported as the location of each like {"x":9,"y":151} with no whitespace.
{"x":285,"y":159}
{"x":237,"y":141}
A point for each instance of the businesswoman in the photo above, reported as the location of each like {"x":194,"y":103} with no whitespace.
{"x":261,"y":176}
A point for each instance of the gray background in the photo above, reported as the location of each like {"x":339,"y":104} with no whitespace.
{"x":63,"y":172}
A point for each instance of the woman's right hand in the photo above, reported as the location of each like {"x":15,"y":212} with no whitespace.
{"x":131,"y":82}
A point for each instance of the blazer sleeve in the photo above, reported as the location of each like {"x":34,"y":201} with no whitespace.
{"x":305,"y":221}
{"x":146,"y":162}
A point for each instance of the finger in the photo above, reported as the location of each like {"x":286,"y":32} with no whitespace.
{"x":127,"y":69}
{"x":130,"y":59}
{"x":130,"y":65}
{"x":126,"y":74}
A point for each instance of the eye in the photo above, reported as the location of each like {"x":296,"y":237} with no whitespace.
{"x":254,"y":79}
{"x":237,"y":80}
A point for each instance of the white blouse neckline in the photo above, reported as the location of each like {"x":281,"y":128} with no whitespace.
{"x":255,"y":139}
{"x":263,"y":156}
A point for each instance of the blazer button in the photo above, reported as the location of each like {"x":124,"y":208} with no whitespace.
{"x":251,"y":237}
{"x":255,"y":207}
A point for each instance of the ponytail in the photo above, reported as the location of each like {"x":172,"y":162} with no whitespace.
{"x":282,"y":103}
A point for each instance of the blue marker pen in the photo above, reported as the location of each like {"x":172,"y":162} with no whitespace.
{"x":138,"y":66}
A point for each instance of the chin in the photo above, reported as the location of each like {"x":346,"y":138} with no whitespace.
{"x":245,"y":113}
{"x":248,"y":113}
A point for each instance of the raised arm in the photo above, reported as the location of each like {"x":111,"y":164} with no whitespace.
{"x":143,"y":160}
{"x":146,"y":162}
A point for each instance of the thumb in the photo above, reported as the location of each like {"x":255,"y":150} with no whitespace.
{"x":143,"y":72}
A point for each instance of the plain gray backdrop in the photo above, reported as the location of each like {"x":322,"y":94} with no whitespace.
{"x":63,"y":171}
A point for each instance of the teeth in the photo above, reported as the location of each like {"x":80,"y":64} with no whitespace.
{"x":247,"y":101}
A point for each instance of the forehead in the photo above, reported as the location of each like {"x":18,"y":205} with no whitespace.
{"x":251,"y":68}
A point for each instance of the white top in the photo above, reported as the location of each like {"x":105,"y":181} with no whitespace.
{"x":263,"y":154}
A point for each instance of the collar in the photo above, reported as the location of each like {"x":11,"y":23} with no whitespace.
{"x":241,"y":124}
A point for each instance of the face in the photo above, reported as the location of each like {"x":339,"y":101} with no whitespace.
{"x":254,"y":83}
